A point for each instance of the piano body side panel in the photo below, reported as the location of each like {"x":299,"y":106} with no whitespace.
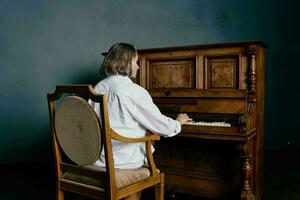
{"x":259,"y":114}
{"x":212,"y":81}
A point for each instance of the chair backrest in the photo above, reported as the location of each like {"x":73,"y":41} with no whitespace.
{"x":77,"y":133}
{"x":78,"y":130}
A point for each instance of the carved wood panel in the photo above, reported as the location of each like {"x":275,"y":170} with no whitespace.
{"x":172,"y":74}
{"x":222,"y":72}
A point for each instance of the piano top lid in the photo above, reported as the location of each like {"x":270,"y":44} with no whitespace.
{"x":209,"y":45}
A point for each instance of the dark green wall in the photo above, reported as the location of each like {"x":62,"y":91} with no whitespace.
{"x":44,"y":43}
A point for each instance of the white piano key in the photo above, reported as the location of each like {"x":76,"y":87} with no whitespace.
{"x":214,"y":124}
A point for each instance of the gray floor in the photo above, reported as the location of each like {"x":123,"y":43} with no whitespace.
{"x":36,"y":180}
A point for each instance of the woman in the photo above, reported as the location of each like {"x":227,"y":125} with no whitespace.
{"x":131,"y":109}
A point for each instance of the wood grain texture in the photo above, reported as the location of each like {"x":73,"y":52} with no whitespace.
{"x":227,"y":85}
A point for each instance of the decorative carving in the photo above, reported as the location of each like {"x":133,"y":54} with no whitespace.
{"x":252,"y":74}
{"x":222,"y":75}
{"x":171,"y":74}
{"x":251,"y":97}
{"x":222,"y":72}
{"x":242,"y":123}
{"x":247,"y":172}
{"x":246,"y":193}
{"x":251,"y":52}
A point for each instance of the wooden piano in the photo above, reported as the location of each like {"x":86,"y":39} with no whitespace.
{"x":220,"y":86}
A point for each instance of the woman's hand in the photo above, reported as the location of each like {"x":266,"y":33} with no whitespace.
{"x":182,"y":118}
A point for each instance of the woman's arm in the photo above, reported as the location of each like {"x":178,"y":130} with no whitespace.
{"x":148,"y":115}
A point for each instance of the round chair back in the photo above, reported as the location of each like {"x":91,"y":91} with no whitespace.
{"x":78,"y":131}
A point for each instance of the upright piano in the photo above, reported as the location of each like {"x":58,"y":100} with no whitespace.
{"x":221,"y":87}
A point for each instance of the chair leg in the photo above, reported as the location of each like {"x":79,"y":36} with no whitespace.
{"x":135,"y":196}
{"x":159,"y":191}
{"x":60,"y":194}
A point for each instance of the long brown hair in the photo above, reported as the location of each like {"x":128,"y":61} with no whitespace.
{"x":118,"y":59}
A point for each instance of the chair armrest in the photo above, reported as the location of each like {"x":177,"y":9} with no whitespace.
{"x":148,"y":137}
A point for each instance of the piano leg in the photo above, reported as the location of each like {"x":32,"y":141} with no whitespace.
{"x":246,"y":193}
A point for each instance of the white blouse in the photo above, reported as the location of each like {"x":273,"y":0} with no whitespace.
{"x":131,"y":112}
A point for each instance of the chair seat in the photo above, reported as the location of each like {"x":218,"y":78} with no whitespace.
{"x":124,"y":177}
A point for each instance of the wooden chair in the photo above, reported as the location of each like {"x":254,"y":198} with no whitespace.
{"x":79,"y":135}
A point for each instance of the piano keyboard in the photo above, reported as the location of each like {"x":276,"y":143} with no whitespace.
{"x":201,"y":123}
